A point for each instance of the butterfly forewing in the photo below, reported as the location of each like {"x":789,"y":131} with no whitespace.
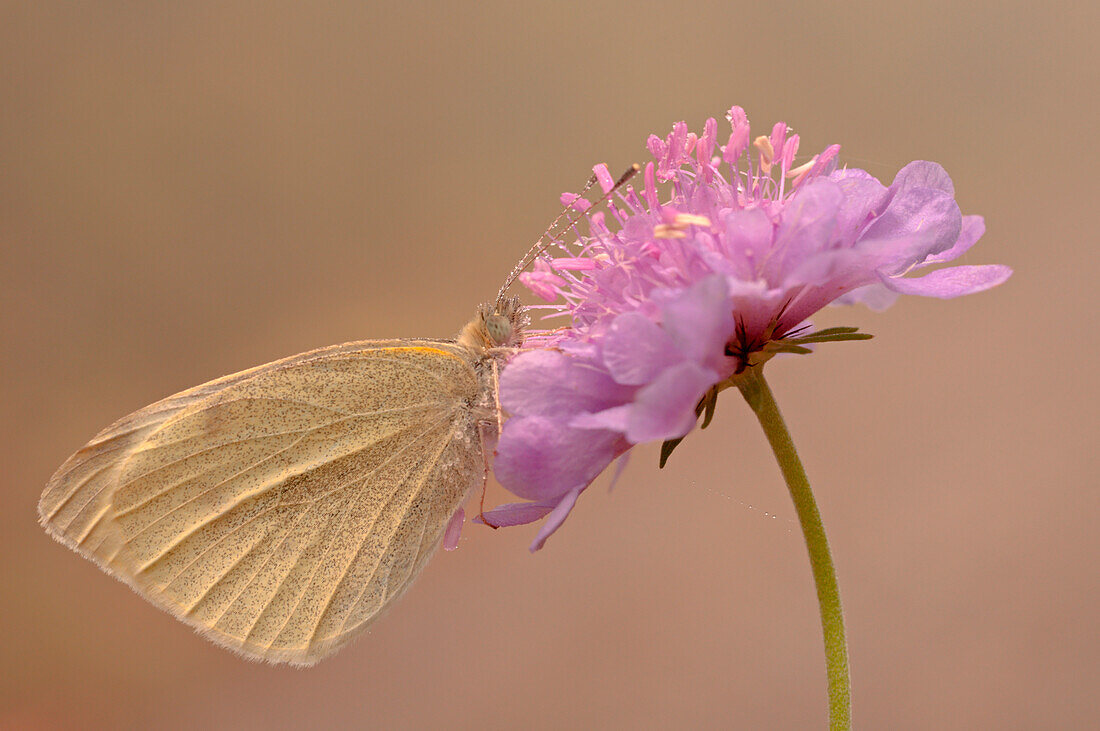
{"x":280,"y":509}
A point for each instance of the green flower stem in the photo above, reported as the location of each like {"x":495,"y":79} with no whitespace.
{"x":756,"y":392}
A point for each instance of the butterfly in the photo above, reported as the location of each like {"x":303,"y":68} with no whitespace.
{"x":280,"y":509}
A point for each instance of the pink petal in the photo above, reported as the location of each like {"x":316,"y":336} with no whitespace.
{"x":510,"y":514}
{"x":700,"y":322}
{"x":864,"y":196}
{"x":746,"y":241}
{"x":951,"y":282}
{"x":894,"y":254}
{"x":806,"y":227}
{"x":665,"y":409}
{"x":972,"y":229}
{"x":549,"y":383}
{"x":557,"y":517}
{"x":620,"y":465}
{"x":454,"y":530}
{"x":540,"y":458}
{"x":923,"y":210}
{"x":923,"y":174}
{"x":613,"y":419}
{"x":875,"y":296}
{"x":636,"y":349}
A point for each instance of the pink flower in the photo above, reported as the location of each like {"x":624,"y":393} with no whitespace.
{"x":676,"y":297}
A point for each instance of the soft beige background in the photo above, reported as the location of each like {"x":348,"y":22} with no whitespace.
{"x":189,"y":189}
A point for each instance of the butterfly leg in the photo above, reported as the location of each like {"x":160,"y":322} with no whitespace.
{"x":490,"y":438}
{"x":486,"y":439}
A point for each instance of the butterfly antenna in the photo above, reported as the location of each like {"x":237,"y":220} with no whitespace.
{"x":542,"y":243}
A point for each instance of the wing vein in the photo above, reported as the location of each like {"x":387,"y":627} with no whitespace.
{"x":303,"y":432}
{"x":343,"y":519}
{"x":344,"y":416}
{"x":252,"y":579}
{"x":220,"y":579}
{"x":75,"y":490}
{"x":260,"y":514}
{"x":267,"y":485}
{"x":343,"y":626}
{"x":92,"y":526}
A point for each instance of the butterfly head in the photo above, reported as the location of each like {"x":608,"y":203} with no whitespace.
{"x":496,"y":325}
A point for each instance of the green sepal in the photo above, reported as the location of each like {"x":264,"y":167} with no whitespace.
{"x":831,"y":338}
{"x":786,"y":346}
{"x":829,"y":335}
{"x":842,"y":330}
{"x":709,"y":404}
{"x":666,"y":449}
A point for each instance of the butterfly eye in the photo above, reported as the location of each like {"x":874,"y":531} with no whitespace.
{"x":499,"y":328}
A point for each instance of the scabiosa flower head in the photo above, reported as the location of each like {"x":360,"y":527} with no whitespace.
{"x":670,"y":299}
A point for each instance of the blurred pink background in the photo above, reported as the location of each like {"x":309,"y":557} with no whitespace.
{"x":190,"y":189}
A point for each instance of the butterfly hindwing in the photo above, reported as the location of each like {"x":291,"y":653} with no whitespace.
{"x":280,"y":509}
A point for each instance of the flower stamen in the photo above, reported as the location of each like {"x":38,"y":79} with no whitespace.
{"x":767,"y":153}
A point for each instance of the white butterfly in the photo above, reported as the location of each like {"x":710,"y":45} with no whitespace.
{"x":279,"y":510}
